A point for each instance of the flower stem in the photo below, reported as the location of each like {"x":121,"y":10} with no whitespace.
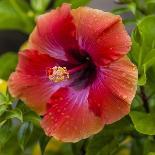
{"x":83,"y":148}
{"x":144,"y":99}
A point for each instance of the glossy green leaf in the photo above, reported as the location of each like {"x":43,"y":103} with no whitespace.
{"x":10,"y":114}
{"x":120,"y":11}
{"x":8,"y":63}
{"x":5,"y":134}
{"x":75,"y":3}
{"x":142,"y":78}
{"x":132,"y":8}
{"x":24,"y":134}
{"x":150,"y":6}
{"x":43,"y":141}
{"x":14,"y":113}
{"x":4,"y":99}
{"x":32,"y":117}
{"x":143,"y":50}
{"x":149,"y":61}
{"x":143,"y":122}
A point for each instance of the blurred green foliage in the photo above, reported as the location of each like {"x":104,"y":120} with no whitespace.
{"x":8,"y":62}
{"x":75,"y":3}
{"x":17,"y":15}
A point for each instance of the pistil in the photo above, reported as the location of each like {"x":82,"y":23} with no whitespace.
{"x":59,"y":74}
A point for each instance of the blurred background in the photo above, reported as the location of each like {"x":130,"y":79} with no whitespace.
{"x":11,"y":40}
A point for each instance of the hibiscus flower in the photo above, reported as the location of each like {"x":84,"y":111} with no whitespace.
{"x":75,"y":72}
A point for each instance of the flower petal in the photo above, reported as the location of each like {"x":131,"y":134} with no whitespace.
{"x":69,"y":118}
{"x":101,"y":34}
{"x":30,"y":82}
{"x":113,"y":91}
{"x":55,"y":33}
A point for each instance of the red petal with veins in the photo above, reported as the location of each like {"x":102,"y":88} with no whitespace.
{"x":101,"y":34}
{"x":30,"y":82}
{"x":113,"y":90}
{"x":69,"y":118}
{"x":55,"y":34}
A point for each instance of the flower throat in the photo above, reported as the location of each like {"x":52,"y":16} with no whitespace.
{"x":58,"y":74}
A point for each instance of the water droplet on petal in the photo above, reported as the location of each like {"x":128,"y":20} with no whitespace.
{"x":67,"y":116}
{"x":61,"y":98}
{"x":124,"y":97}
{"x":134,"y":68}
{"x":99,"y":104}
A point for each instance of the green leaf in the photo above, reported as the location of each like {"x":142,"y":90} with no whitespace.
{"x":97,"y":143}
{"x":8,"y":63}
{"x":14,"y":113}
{"x":138,"y":36}
{"x":40,"y":5}
{"x":3,"y":109}
{"x":4,"y":99}
{"x":148,"y":146}
{"x":110,"y":148}
{"x":143,"y":122}
{"x":143,"y":50}
{"x":132,"y":8}
{"x":75,"y":3}
{"x":24,"y":134}
{"x":129,"y":21}
{"x":136,"y":147}
{"x":78,"y":147}
{"x":10,"y":114}
{"x":16,"y":14}
{"x":142,"y":78}
{"x":123,"y":1}
{"x":151,"y":153}
{"x":121,"y":10}
{"x":32,"y":117}
{"x":110,"y":136}
{"x":43,"y":141}
{"x":150,"y":6}
{"x":5,"y":133}
{"x":149,"y":61}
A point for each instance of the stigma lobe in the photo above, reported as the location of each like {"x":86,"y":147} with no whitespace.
{"x":57,"y":74}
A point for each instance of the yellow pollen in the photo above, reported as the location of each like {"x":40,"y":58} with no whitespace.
{"x":59,"y":74}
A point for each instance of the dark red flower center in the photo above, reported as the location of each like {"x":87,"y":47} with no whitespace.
{"x":83,"y":73}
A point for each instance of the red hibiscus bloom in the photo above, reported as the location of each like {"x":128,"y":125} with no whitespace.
{"x":75,"y":73}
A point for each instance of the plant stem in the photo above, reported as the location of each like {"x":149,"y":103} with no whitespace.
{"x":82,"y":150}
{"x":144,"y":99}
{"x":83,"y":147}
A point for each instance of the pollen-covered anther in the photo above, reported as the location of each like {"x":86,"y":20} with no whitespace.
{"x":58,"y":74}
